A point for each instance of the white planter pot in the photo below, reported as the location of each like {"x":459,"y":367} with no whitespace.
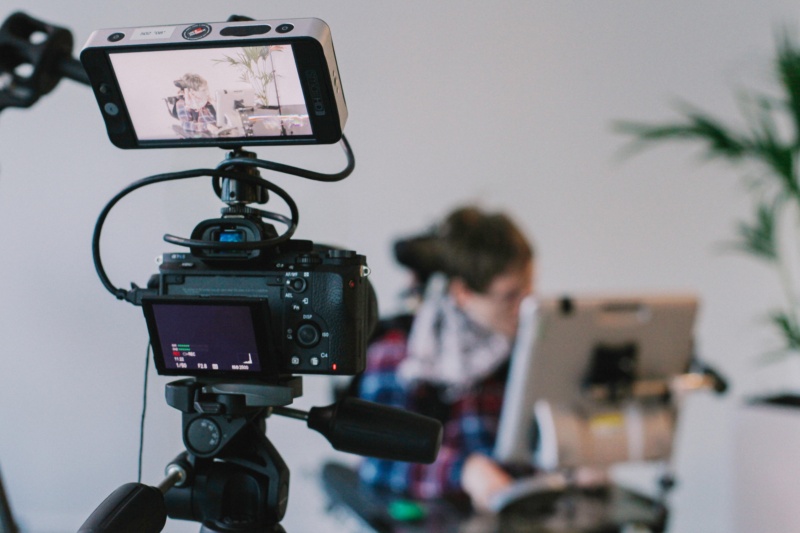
{"x":766,"y":468}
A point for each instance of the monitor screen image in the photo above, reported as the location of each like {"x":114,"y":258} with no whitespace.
{"x":225,"y":92}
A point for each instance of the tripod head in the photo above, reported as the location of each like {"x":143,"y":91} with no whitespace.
{"x":231,"y":478}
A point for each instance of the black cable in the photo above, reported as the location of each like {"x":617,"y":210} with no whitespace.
{"x":120,"y":293}
{"x":144,"y":410}
{"x":294,"y":171}
{"x":220,"y":172}
{"x":251,"y":245}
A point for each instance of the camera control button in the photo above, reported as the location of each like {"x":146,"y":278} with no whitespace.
{"x":111,"y":109}
{"x":244,"y":31}
{"x":314,"y":361}
{"x":308,"y":335}
{"x":284,"y":28}
{"x":298,"y":284}
{"x":295,"y":360}
{"x":203,"y":435}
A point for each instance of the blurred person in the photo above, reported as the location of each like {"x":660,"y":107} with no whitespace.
{"x":450,"y":359}
{"x":194,"y":108}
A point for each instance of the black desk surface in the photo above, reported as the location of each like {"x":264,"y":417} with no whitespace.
{"x":574,"y":511}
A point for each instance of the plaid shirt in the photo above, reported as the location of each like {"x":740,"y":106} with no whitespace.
{"x":470,"y":423}
{"x":195,"y":122}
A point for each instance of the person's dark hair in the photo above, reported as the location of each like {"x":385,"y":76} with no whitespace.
{"x":469,"y":244}
{"x":478,"y":246}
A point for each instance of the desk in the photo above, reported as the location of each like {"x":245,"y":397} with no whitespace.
{"x":607,"y":511}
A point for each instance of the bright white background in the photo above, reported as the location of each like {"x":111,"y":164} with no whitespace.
{"x":506,"y":103}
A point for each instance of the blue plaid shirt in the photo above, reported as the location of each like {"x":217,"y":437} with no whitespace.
{"x":195,"y":122}
{"x":470,"y":423}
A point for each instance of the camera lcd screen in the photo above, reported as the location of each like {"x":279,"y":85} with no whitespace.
{"x":209,"y":336}
{"x":227,"y":93}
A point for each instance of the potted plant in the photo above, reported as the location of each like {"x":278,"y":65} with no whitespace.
{"x":256,"y":68}
{"x":767,"y":148}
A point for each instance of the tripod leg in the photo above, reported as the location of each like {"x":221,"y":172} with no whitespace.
{"x":7,"y":524}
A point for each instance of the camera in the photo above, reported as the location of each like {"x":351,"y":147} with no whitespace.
{"x":243,"y":303}
{"x":245,"y":309}
{"x":225,"y":84}
{"x":302,"y":309}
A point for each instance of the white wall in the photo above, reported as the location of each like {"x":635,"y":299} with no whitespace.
{"x":505,"y":103}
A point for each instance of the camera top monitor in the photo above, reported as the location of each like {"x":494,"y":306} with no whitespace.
{"x":226,"y":84}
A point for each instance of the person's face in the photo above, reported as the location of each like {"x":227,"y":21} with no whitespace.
{"x":497,"y":308}
{"x":195,"y":98}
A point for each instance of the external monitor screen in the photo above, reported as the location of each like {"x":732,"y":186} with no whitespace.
{"x":225,"y":92}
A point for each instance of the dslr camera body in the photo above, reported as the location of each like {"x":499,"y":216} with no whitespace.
{"x":299,"y":309}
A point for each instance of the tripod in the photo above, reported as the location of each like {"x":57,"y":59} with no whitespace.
{"x":231,"y":478}
{"x":7,"y":524}
{"x":238,"y":481}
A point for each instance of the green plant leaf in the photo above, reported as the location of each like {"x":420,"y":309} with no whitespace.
{"x":758,"y":238}
{"x":765,"y":145}
{"x":697,"y":126}
{"x":788,"y":327}
{"x":787,"y":65}
{"x":769,"y":142}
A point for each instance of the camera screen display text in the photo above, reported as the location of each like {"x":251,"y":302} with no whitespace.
{"x":202,"y":336}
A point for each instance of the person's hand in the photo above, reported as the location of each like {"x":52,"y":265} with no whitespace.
{"x":482,"y":478}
